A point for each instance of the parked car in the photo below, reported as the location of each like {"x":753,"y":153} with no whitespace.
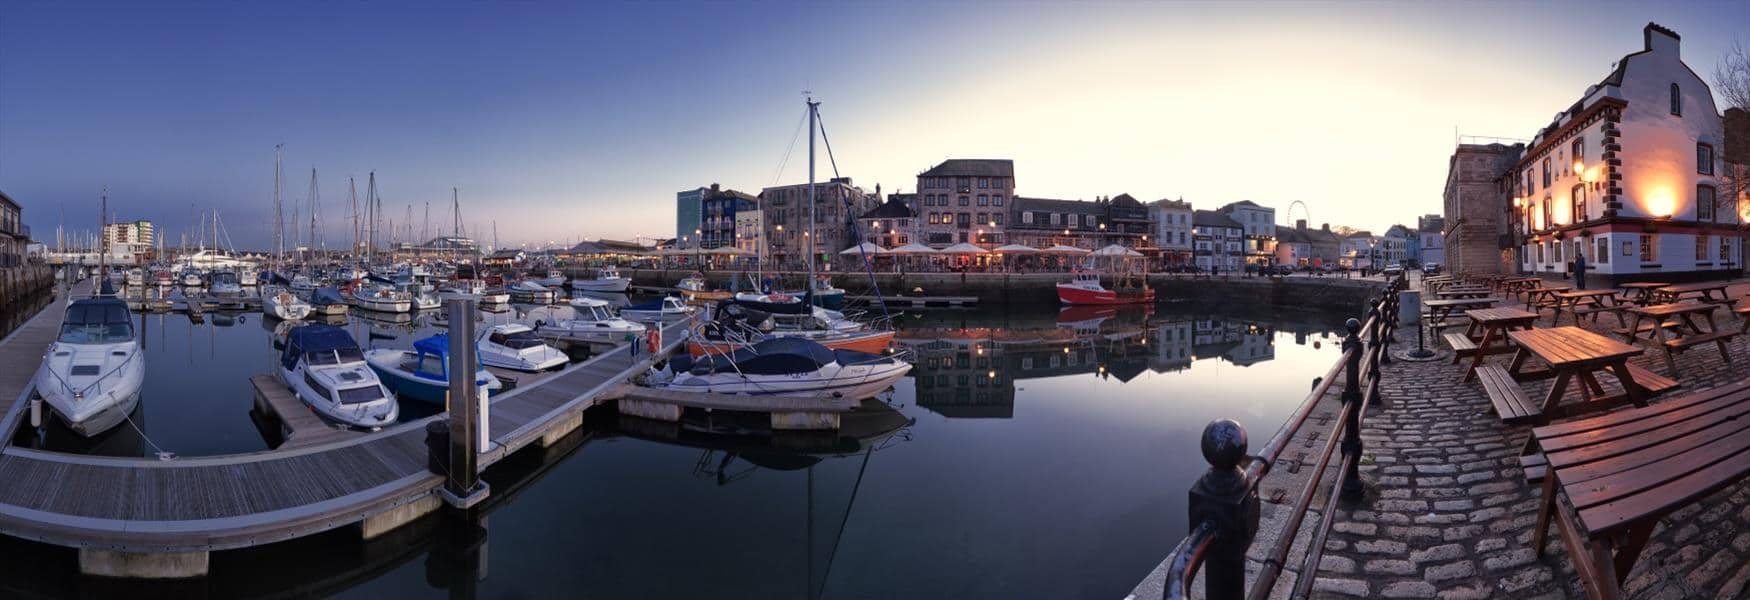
{"x":1431,"y":269}
{"x":1284,"y":270}
{"x":1393,"y":270}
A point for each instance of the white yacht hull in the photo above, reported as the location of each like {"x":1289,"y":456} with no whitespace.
{"x":388,"y":305}
{"x":601,"y":285}
{"x":855,"y":381}
{"x":102,"y":400}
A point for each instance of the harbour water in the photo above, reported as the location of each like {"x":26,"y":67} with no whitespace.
{"x":1032,"y":453}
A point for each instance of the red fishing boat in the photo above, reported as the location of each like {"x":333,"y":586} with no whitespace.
{"x":1084,"y":288}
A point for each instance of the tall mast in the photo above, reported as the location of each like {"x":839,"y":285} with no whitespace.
{"x":456,"y":226}
{"x":103,"y":235}
{"x":314,"y":196}
{"x":352,"y":190}
{"x":279,"y":224}
{"x":809,"y":234}
{"x":371,"y":206}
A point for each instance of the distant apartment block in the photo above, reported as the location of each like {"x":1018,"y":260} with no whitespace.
{"x":1172,"y":230}
{"x":962,"y":199}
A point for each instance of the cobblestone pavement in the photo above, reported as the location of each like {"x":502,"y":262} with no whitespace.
{"x":1449,"y":514}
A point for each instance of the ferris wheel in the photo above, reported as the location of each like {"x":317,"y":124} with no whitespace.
{"x":1304,"y":213}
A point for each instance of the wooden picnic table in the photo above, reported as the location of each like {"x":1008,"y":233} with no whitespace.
{"x":1440,"y":310}
{"x":1587,"y":302}
{"x":1492,"y":324}
{"x":1571,"y":353}
{"x":1465,"y":292}
{"x":1675,"y":330}
{"x":1625,"y":471}
{"x":1518,"y":285}
{"x":1539,"y":298}
{"x":1641,"y":292}
{"x":1705,"y":292}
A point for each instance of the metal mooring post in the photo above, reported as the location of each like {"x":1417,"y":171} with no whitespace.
{"x":1353,"y":489}
{"x":462,"y":486}
{"x":1222,"y":497}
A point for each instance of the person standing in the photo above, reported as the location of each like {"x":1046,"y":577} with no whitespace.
{"x":1579,"y":270}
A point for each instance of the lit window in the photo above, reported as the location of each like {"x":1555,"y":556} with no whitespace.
{"x":1579,"y":202}
{"x":1546,"y":172}
{"x":1704,"y":159}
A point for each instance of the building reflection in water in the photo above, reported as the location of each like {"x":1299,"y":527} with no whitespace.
{"x":968,"y":365}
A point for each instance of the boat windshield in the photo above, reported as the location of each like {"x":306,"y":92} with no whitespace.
{"x":518,"y":340}
{"x":97,"y":323}
{"x":599,"y":313}
{"x":333,"y":357}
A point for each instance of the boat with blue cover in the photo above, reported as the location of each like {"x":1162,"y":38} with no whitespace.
{"x":327,"y":370}
{"x":423,"y":373}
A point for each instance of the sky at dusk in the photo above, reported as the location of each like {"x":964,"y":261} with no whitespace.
{"x":568,"y":122}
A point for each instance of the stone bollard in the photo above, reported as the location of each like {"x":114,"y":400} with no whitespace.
{"x":1222,"y":497}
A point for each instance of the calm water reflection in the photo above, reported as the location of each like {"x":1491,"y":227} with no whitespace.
{"x":1032,"y":454}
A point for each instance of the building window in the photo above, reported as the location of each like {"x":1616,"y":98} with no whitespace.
{"x":1540,"y":253}
{"x":1649,"y":247}
{"x":984,"y":183}
{"x":1027,"y":217}
{"x":1704,"y":203}
{"x":1546,"y":172}
{"x":996,"y":200}
{"x":984,"y":200}
{"x":1676,"y":101}
{"x":1579,"y":149}
{"x":965,"y":184}
{"x":996,"y":218}
{"x":1701,"y":247}
{"x":1547,"y":223}
{"x":1556,"y":249}
{"x":1704,"y":159}
{"x":1579,"y":202}
{"x":1602,"y":254}
{"x":1725,"y":250}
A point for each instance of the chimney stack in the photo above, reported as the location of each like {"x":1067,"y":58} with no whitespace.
{"x":1300,"y":224}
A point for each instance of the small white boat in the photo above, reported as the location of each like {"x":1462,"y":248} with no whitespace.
{"x":515,"y":346}
{"x":667,"y":309}
{"x":423,"y":374}
{"x":190,"y":278}
{"x":783,"y":366}
{"x":607,"y":279}
{"x":249,"y":275}
{"x":464,"y":289}
{"x":136,"y":278}
{"x":224,"y":283}
{"x":593,"y":323}
{"x":302,"y":284}
{"x":325,"y":368}
{"x":92,"y":374}
{"x":282,"y":304}
{"x":419,"y":296}
{"x":554,"y":278}
{"x":381,"y":298}
{"x":327,"y":301}
{"x":531,"y":292}
{"x":495,"y":295}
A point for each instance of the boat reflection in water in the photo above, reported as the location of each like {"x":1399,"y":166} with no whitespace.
{"x":969,"y":368}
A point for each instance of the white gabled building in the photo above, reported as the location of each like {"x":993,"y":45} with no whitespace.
{"x":1627,"y":176}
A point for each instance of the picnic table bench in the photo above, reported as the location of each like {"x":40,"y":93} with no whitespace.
{"x":1492,"y":324}
{"x":1588,"y":302}
{"x":1544,"y":296}
{"x":1674,"y":328}
{"x":1706,"y":292}
{"x":1641,"y":292}
{"x":1571,"y":353}
{"x":1441,"y":310}
{"x":1465,"y":292}
{"x":1517,"y":285}
{"x":1622,"y":472}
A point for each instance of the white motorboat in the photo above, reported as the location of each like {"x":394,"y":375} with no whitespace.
{"x":554,"y":278}
{"x":515,"y":346}
{"x":282,"y":304}
{"x":495,"y":295}
{"x":532,"y":292}
{"x":592,"y":323}
{"x":419,"y":296}
{"x":191,"y":278}
{"x":136,"y":278}
{"x":464,"y":289}
{"x":92,"y":374}
{"x":381,"y":298}
{"x":607,"y":279}
{"x":669,"y":308}
{"x":224,"y":284}
{"x":325,"y":368}
{"x":303,"y":285}
{"x":423,"y":374}
{"x":249,"y":275}
{"x":784,"y":366}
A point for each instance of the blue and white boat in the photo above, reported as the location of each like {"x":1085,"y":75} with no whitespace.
{"x":325,"y":368}
{"x":423,"y":373}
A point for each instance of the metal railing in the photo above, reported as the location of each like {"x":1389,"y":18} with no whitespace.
{"x":1224,"y":506}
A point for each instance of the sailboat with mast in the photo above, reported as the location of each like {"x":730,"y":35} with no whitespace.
{"x":277,"y":300}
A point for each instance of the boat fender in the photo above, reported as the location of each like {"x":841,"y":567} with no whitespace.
{"x":653,"y":340}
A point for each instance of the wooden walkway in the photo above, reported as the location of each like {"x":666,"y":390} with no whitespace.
{"x":146,"y":507}
{"x":22,"y":351}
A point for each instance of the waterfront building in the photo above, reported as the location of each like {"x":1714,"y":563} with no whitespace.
{"x":13,"y":235}
{"x":1294,"y":247}
{"x":131,"y":233}
{"x":1126,"y":223}
{"x":1431,"y":240}
{"x":1217,"y":241}
{"x":506,"y":257}
{"x":442,"y":246}
{"x":1737,"y":158}
{"x":892,"y":224}
{"x":1394,"y":246}
{"x":1630,"y":177}
{"x":1475,"y":200}
{"x":689,"y":212}
{"x":1259,"y":223}
{"x":717,"y":210}
{"x":750,"y":231}
{"x":966,"y":198}
{"x":606,"y":251}
{"x":1360,"y":251}
{"x":1172,"y":346}
{"x":1042,"y":222}
{"x":1171,"y":220}
{"x":786,"y":229}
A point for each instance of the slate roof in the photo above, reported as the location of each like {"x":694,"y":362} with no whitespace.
{"x":1210,"y":218}
{"x":972,"y":167}
{"x":894,"y":208}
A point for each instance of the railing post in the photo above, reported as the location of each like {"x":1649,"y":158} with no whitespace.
{"x":1222,"y":497}
{"x":1387,"y":319}
{"x":1353,"y":489}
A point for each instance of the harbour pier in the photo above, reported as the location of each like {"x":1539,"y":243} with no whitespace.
{"x":162,"y":518}
{"x":1436,"y":489}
